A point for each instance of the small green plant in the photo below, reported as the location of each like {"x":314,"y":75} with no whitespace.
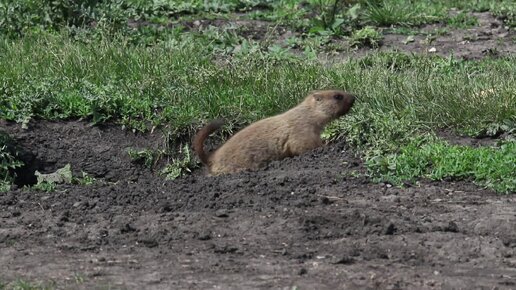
{"x":277,"y":52}
{"x":86,"y":179}
{"x":79,"y":278}
{"x":462,"y":20}
{"x":403,"y":30}
{"x":222,"y":40}
{"x":45,"y":186}
{"x":506,"y":130}
{"x":505,"y":11}
{"x":181,"y":165}
{"x":21,"y":284}
{"x":8,"y":163}
{"x":329,"y":16}
{"x":351,"y":174}
{"x":146,"y":157}
{"x":367,"y":36}
{"x":373,"y":133}
{"x":507,"y":127}
{"x":386,"y":13}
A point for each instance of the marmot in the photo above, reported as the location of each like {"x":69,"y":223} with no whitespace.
{"x":285,"y":135}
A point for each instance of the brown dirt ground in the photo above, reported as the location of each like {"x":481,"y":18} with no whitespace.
{"x":489,"y":38}
{"x":304,"y":222}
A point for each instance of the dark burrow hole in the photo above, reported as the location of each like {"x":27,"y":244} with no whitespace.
{"x":24,"y":175}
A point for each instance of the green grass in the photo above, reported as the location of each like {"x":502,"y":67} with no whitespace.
{"x":21,"y":284}
{"x":462,"y":20}
{"x":492,"y":167}
{"x":387,"y":12}
{"x":24,"y":284}
{"x":53,"y":77}
{"x":109,"y":18}
{"x":19,"y":17}
{"x":503,"y":9}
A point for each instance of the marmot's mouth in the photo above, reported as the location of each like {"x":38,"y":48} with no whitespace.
{"x":344,"y":111}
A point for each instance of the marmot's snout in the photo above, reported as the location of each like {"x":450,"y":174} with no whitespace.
{"x":346,"y":101}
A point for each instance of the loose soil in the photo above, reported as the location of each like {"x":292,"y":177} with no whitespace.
{"x":305,"y":222}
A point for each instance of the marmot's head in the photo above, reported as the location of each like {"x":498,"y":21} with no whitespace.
{"x":331,"y":103}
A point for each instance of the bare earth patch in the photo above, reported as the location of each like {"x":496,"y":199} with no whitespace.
{"x":303,"y":222}
{"x":489,"y":38}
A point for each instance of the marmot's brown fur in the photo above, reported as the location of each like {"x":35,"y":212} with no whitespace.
{"x":288,"y":134}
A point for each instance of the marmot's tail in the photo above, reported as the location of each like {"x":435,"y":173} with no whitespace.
{"x":198,"y":141}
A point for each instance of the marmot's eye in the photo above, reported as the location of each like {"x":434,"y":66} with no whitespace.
{"x":338,"y":97}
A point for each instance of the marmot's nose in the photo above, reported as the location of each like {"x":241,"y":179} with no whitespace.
{"x":353,"y":98}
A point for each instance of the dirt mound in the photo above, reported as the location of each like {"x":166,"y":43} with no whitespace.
{"x":304,"y":221}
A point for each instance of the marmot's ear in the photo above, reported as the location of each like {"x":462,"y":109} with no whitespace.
{"x":317,"y":97}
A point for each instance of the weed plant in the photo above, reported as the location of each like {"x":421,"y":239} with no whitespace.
{"x":8,"y":162}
